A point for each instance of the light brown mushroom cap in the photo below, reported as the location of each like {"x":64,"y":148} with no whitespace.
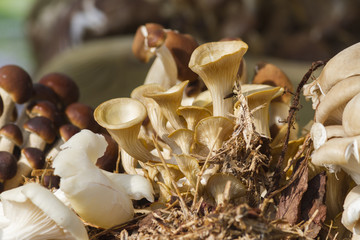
{"x":269,"y":74}
{"x":213,"y":131}
{"x":43,"y":108}
{"x":216,"y":187}
{"x":184,"y":138}
{"x":217,"y":63}
{"x":193,"y":114}
{"x":148,"y":36}
{"x":16,"y":82}
{"x":65,"y":87}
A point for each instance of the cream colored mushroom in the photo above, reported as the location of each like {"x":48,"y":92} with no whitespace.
{"x":193,"y":114}
{"x":204,"y":100}
{"x":320,"y":133}
{"x":339,"y":153}
{"x":184,"y":138}
{"x":169,"y":101}
{"x":332,"y":104}
{"x":217,"y":63}
{"x":351,"y":215}
{"x":213,"y":131}
{"x":259,"y":100}
{"x":343,"y":65}
{"x":122,"y":117}
{"x":351,"y":115}
{"x":189,"y":166}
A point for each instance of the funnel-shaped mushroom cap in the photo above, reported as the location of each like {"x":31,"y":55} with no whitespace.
{"x":216,"y":186}
{"x":204,"y":100}
{"x":122,"y":117}
{"x":169,"y":101}
{"x":340,"y":153}
{"x":35,"y":213}
{"x":259,"y":100}
{"x":189,"y":166}
{"x":184,"y":138}
{"x":193,"y":114}
{"x":217,"y":63}
{"x":351,"y":215}
{"x":213,"y":131}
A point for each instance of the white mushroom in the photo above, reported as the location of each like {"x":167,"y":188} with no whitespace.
{"x":34,"y":213}
{"x":351,"y":215}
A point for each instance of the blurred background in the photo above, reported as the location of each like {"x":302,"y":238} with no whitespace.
{"x":90,"y":40}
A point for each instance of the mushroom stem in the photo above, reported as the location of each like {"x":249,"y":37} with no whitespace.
{"x":8,"y":104}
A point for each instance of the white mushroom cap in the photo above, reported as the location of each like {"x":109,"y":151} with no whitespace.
{"x":35,"y":213}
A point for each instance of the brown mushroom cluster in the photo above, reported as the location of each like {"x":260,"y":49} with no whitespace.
{"x":183,"y":113}
{"x":36,"y":118}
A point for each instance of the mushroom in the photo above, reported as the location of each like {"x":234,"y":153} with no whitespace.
{"x":217,"y":63}
{"x":169,"y":101}
{"x":15,"y":87}
{"x":335,"y":70}
{"x":108,"y":161}
{"x":33,"y":212}
{"x":350,"y":116}
{"x":96,"y":194}
{"x":184,"y":138}
{"x":339,"y":153}
{"x":122,"y":118}
{"x":64,"y":87}
{"x":189,"y":166}
{"x":41,"y":130}
{"x":8,"y":167}
{"x":332,"y":104}
{"x":192,"y":115}
{"x":217,"y":184}
{"x":173,"y":52}
{"x":213,"y":131}
{"x":259,"y":101}
{"x":320,"y":133}
{"x":82,"y":116}
{"x":351,"y":215}
{"x":11,"y":136}
{"x":66,"y":131}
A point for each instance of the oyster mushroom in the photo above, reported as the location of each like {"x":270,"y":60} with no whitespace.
{"x":15,"y":87}
{"x":351,"y":215}
{"x":122,"y":117}
{"x":33,"y":212}
{"x":335,"y":70}
{"x":169,"y":101}
{"x":217,"y":63}
{"x":350,"y":116}
{"x":320,"y":133}
{"x":192,"y":115}
{"x":184,"y":138}
{"x":216,"y":186}
{"x":213,"y":131}
{"x":339,"y":153}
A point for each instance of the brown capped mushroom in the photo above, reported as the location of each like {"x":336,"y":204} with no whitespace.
{"x":82,"y":116}
{"x":41,"y":130}
{"x":11,"y":136}
{"x":109,"y":160}
{"x":8,"y":166}
{"x":15,"y":87}
{"x":64,"y":87}
{"x":34,"y":156}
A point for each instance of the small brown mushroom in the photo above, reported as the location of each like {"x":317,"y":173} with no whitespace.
{"x":82,"y":116}
{"x":8,"y":166}
{"x":65,"y":88}
{"x":41,"y":130}
{"x":34,"y":156}
{"x":15,"y":87}
{"x":109,"y":160}
{"x":10,"y":136}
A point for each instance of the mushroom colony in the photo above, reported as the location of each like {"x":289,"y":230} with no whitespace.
{"x":72,"y":167}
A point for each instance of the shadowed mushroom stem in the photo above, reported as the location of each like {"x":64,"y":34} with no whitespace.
{"x":122,"y":118}
{"x":217,"y":63}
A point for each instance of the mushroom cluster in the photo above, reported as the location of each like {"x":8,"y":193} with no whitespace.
{"x":335,"y":133}
{"x":172,"y":123}
{"x":36,"y":118}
